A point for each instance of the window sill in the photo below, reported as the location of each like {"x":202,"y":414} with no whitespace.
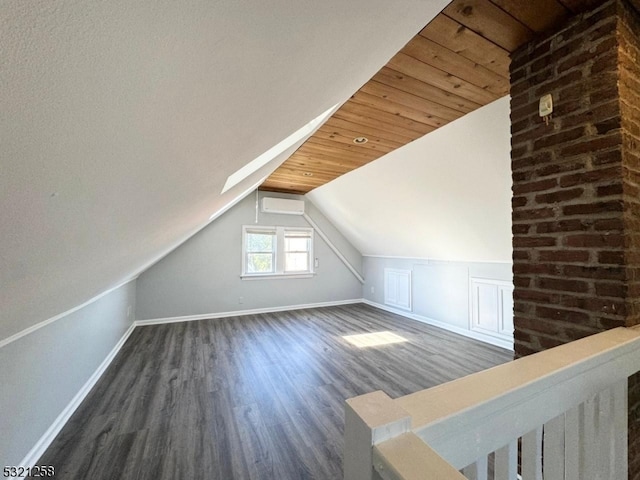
{"x":277,"y":276}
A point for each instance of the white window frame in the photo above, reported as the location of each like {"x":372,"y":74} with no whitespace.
{"x":279,"y":245}
{"x":260,"y":230}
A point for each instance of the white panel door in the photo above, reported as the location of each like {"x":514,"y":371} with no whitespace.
{"x":486,"y":307}
{"x":397,"y":288}
{"x":492,"y":307}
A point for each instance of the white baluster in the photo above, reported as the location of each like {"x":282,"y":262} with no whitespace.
{"x":572,"y":439}
{"x":589,"y":452}
{"x":618,"y":454}
{"x":506,"y":467}
{"x":477,"y":470}
{"x":604,"y":434}
{"x":553,"y":451}
{"x":532,"y":455}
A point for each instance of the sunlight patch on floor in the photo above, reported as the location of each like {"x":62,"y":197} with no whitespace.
{"x":374,"y":339}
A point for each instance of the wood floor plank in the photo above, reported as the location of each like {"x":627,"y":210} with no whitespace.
{"x":252,"y":397}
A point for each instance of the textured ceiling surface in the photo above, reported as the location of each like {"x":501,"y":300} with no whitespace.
{"x":120,"y":122}
{"x":456,"y":64}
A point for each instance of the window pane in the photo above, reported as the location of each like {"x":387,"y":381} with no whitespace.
{"x":260,"y":242}
{"x":296,"y":244}
{"x":259,"y":263}
{"x":296,"y":262}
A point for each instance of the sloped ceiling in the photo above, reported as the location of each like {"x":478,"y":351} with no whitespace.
{"x":120,"y":122}
{"x":445,"y":196}
{"x":457,"y":63}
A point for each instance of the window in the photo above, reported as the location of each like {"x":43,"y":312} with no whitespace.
{"x":260,"y":255}
{"x":276,"y":251}
{"x":297,"y":250}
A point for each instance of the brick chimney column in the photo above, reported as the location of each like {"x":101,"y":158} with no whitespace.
{"x":576,"y":186}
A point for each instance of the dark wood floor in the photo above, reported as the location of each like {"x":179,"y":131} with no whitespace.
{"x":251,"y":397}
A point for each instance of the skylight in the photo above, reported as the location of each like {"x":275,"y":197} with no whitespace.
{"x":276,"y":150}
{"x":233,"y":202}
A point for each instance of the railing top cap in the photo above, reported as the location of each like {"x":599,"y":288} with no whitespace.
{"x":434,"y":404}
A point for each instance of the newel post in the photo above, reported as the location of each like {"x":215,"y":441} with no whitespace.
{"x":369,"y":419}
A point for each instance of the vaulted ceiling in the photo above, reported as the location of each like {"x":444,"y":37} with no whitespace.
{"x":456,"y":64}
{"x":121,"y":121}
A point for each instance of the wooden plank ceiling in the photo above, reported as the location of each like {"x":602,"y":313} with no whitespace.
{"x":456,"y":64}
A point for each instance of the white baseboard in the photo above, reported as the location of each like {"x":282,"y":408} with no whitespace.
{"x":498,"y":342}
{"x":39,"y":448}
{"x":237,"y":313}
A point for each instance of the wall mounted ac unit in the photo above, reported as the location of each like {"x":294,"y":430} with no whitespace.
{"x":282,"y":205}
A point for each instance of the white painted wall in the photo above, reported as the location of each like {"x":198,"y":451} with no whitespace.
{"x":446,"y":196}
{"x":440,"y":291}
{"x":203,"y":275}
{"x":439,"y":207}
{"x":42,"y":372}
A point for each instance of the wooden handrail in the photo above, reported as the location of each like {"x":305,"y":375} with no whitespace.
{"x":451,"y":398}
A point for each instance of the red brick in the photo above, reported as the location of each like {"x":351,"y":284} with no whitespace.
{"x":592,"y":145}
{"x":593,"y":208}
{"x":522,"y":307}
{"x":533,"y":133}
{"x":607,"y":125}
{"x":609,"y":224}
{"x":521,"y":281}
{"x":530,"y":161}
{"x":551,"y":85}
{"x":534,"y":296}
{"x":592,"y":176}
{"x":521,"y":255}
{"x":608,"y":157}
{"x":579,"y":331}
{"x":559,"y":196}
{"x":519,"y":151}
{"x":527,"y":268}
{"x":562,"y":284}
{"x":550,"y":342}
{"x":552,"y":313}
{"x":563,"y":167}
{"x":604,"y":63}
{"x":521,"y":229}
{"x":606,"y":29}
{"x":615,"y":257}
{"x":540,"y":324}
{"x":565,"y":256}
{"x":518,"y":177}
{"x":573,"y":225}
{"x":528,"y":242}
{"x":617,"y":289}
{"x":603,"y":306}
{"x":520,"y":126}
{"x":594,"y":240}
{"x":609,"y":190}
{"x":549,"y":140}
{"x":532,"y":214}
{"x":530,"y":110}
{"x":610,"y":111}
{"x":596,"y":272}
{"x":518,"y":202}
